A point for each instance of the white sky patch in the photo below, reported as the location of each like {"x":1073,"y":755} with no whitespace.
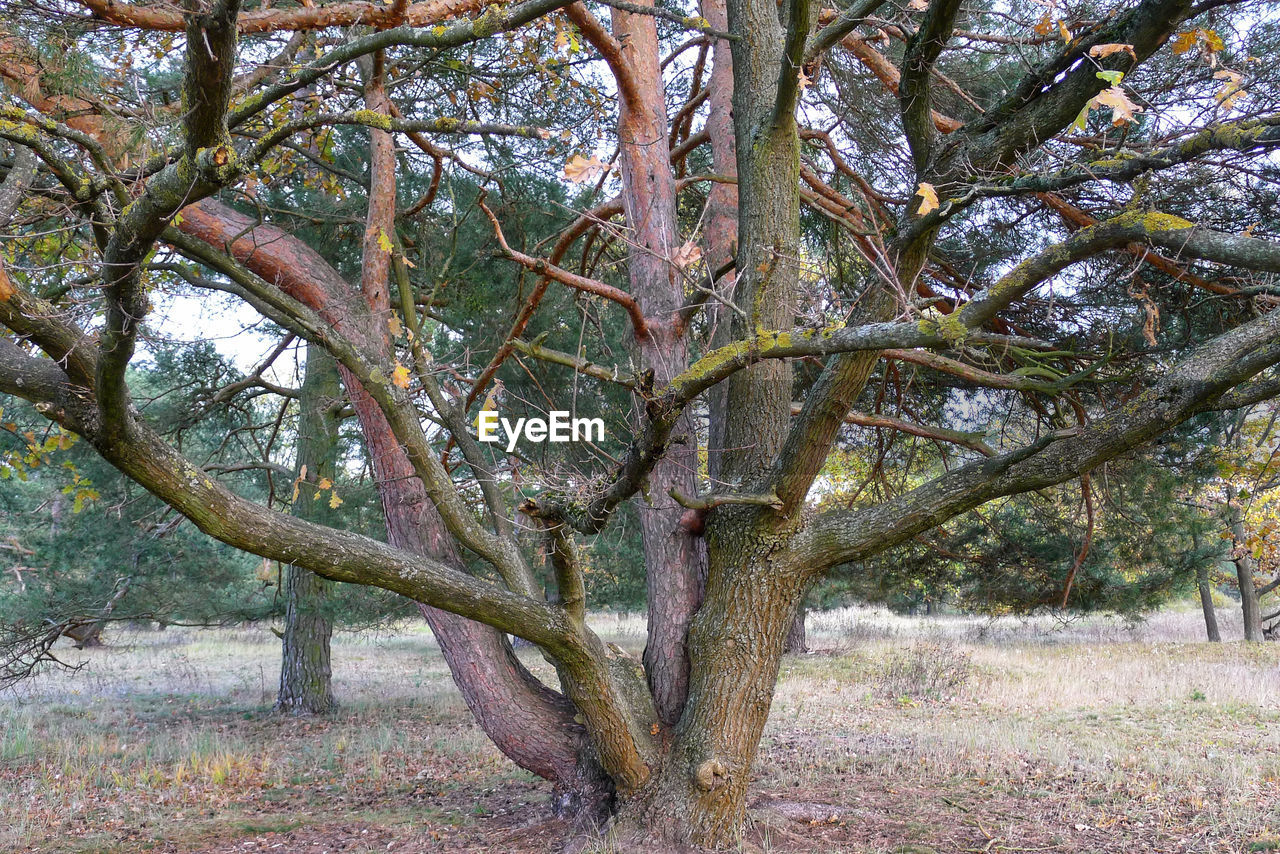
{"x":236,"y":331}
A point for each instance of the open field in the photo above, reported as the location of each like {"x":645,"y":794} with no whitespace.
{"x":898,"y":735}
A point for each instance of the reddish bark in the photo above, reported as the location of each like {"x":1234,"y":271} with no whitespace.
{"x":156,"y":17}
{"x":675,"y":558}
{"x":530,"y":723}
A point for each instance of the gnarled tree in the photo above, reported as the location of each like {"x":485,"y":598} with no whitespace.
{"x":863,"y":165}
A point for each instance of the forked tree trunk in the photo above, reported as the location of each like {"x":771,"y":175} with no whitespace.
{"x":736,"y":640}
{"x":305,"y":673}
{"x":1206,"y":603}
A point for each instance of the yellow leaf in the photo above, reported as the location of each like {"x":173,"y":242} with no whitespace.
{"x":1210,"y":42}
{"x":1184,"y":42}
{"x":1044,"y":25}
{"x":400,"y":376}
{"x":334,"y":501}
{"x":1102,"y":51}
{"x":384,"y":242}
{"x":324,"y":483}
{"x":396,"y":327}
{"x":7,"y":289}
{"x":930,"y":196}
{"x":1064,"y":32}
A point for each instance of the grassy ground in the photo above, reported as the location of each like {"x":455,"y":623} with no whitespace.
{"x":897,"y":735}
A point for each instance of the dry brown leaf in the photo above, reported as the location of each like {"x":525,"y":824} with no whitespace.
{"x":1102,"y":51}
{"x":1122,"y":108}
{"x":1232,"y":90}
{"x":579,"y":169}
{"x":688,"y":254}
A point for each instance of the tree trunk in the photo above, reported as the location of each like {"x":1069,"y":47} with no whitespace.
{"x":531,"y":724}
{"x":1206,"y":603}
{"x":736,"y":643}
{"x":305,"y":674}
{"x":797,"y":643}
{"x":674,"y":556}
{"x":1244,"y":575}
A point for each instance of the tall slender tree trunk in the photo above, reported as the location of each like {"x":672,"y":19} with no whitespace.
{"x":1244,"y":575}
{"x":533,"y":725}
{"x":675,"y":561}
{"x":720,"y":223}
{"x":1206,"y":603}
{"x":797,"y":642}
{"x":305,"y":673}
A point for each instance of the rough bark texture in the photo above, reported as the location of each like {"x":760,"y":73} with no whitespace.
{"x":1206,"y":603}
{"x":674,"y":558}
{"x":305,"y":674}
{"x":1249,"y":605}
{"x":736,"y":647}
{"x":797,"y":643}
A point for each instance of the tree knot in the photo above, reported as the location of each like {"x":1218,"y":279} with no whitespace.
{"x":711,"y":775}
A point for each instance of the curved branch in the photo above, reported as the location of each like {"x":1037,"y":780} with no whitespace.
{"x":165,"y":19}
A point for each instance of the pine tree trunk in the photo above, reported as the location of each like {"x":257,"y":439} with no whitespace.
{"x":674,"y":556}
{"x":1206,"y":604}
{"x":305,"y":674}
{"x":700,"y":795}
{"x":1244,"y":575}
{"x":531,"y":724}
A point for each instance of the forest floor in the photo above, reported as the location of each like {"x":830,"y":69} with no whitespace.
{"x":916,"y":736}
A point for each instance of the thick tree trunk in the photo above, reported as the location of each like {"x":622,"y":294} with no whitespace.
{"x":305,"y":674}
{"x":1244,"y":575}
{"x":736,"y":644}
{"x":1206,"y":603}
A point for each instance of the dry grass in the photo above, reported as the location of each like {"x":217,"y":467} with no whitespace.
{"x":925,"y":735}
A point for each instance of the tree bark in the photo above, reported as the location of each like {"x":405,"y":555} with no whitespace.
{"x":1206,"y":603}
{"x":305,"y":673}
{"x":531,"y":724}
{"x":1244,"y":575}
{"x":797,"y":642}
{"x":675,"y":561}
{"x":736,"y":644}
